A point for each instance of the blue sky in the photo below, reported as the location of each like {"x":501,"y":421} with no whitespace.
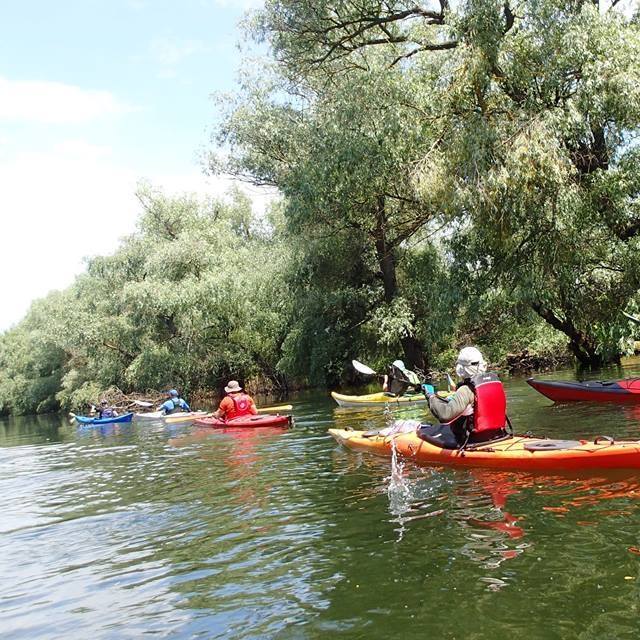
{"x":94,"y":96}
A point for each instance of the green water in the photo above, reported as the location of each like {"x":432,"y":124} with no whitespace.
{"x":136,"y":530}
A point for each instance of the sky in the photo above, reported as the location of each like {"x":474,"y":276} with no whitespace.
{"x":95,"y":96}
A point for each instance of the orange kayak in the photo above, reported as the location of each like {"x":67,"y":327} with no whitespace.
{"x":515,"y":452}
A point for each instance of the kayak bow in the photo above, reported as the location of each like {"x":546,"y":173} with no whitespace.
{"x":591,"y":391}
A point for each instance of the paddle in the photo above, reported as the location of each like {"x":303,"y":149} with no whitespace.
{"x":368,"y":371}
{"x":363,"y":368}
{"x":143,"y":403}
{"x":282,"y":408}
{"x":279,"y":409}
{"x":451,"y":384}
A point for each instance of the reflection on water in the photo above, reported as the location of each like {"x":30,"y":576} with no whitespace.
{"x":279,"y":533}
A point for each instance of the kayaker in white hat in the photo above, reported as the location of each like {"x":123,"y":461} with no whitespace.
{"x":236,"y":403}
{"x":476,"y":412}
{"x":399,"y":379}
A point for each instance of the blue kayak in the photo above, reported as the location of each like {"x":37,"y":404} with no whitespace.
{"x":86,"y":420}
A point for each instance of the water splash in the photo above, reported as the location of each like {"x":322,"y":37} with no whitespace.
{"x":398,"y":490}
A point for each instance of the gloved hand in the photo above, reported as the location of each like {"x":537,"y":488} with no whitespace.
{"x":428,"y":389}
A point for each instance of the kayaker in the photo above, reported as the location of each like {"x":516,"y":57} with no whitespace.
{"x":399,"y":379}
{"x":174,"y":404}
{"x":235,"y":403}
{"x":105,"y":410}
{"x":476,"y":412}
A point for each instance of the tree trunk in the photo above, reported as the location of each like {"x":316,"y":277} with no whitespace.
{"x":413,"y":353}
{"x":386,"y":258}
{"x":583,"y":346}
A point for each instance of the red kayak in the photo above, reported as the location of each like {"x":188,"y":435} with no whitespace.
{"x":591,"y":390}
{"x":245,"y":422}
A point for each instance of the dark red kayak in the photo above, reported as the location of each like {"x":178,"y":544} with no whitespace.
{"x":245,"y":421}
{"x":591,"y":390}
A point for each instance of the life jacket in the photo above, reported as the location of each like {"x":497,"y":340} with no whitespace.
{"x":177,"y":406}
{"x":106,"y":413}
{"x":490,"y":406}
{"x":241,"y":405}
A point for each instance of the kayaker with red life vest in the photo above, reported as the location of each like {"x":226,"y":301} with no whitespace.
{"x":476,"y":412}
{"x":175,"y":404}
{"x":235,"y":403}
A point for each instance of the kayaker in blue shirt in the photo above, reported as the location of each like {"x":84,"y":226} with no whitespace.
{"x":174,"y":404}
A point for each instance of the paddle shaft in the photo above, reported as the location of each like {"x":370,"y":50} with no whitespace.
{"x":278,"y":409}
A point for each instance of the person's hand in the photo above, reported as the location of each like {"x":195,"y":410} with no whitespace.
{"x":428,"y":389}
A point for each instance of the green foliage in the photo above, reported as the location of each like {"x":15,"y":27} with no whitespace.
{"x":511,"y":128}
{"x":31,"y":366}
{"x":454,"y":174}
{"x":194,"y":297}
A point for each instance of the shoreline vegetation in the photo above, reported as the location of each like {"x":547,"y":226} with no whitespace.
{"x":466,"y":174}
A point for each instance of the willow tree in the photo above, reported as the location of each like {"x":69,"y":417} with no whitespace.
{"x":547,"y":173}
{"x":343,"y":151}
{"x":195,"y":296}
{"x":537,"y":111}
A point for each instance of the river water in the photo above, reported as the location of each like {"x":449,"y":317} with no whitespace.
{"x":141,"y":531}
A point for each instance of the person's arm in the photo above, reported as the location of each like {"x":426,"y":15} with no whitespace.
{"x":252,"y":407}
{"x":185,"y":405}
{"x":385,"y":383}
{"x":222,"y":409}
{"x":449,"y":409}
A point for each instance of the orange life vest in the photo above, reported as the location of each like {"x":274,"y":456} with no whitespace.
{"x":241,"y":405}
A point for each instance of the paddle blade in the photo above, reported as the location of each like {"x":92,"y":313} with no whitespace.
{"x":142,"y":403}
{"x":362,"y":368}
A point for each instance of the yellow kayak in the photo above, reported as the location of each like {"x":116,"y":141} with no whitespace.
{"x":379,"y":399}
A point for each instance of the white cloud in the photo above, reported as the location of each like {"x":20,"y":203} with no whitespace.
{"x":217,"y":186}
{"x":60,"y":204}
{"x":54,"y":102}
